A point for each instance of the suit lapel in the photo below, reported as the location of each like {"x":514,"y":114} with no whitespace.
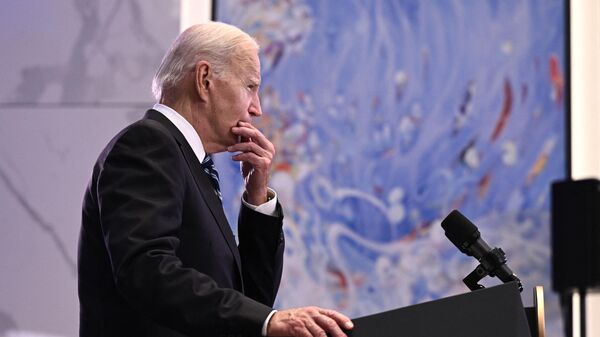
{"x":202,"y":182}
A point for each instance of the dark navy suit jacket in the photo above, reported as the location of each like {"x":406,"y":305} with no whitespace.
{"x":156,"y":254}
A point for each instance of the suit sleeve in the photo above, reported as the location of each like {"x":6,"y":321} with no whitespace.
{"x":261,"y":250}
{"x":140,"y":189}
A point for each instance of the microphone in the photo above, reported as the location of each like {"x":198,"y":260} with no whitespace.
{"x":465,"y":235}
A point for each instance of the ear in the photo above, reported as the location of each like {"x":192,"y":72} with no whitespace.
{"x":203,"y":79}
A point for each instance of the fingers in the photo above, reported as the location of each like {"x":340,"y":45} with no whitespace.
{"x":258,"y":151}
{"x":314,"y":330}
{"x":249,"y":131}
{"x":329,"y":325}
{"x":255,"y":152}
{"x":250,"y":147}
{"x":252,"y":158}
{"x":308,"y":321}
{"x":341,"y":319}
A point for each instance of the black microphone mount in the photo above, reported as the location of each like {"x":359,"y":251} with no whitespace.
{"x":492,"y":261}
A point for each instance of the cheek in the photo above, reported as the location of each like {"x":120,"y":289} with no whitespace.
{"x":243,"y":104}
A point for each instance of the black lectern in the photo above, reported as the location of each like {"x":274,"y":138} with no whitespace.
{"x":491,"y":312}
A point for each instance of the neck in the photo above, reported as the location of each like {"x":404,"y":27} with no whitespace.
{"x":181,"y":105}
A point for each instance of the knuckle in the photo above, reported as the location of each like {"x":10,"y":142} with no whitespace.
{"x":312,"y":311}
{"x":331,"y":324}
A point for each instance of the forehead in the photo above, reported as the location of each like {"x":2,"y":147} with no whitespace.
{"x":250,"y":66}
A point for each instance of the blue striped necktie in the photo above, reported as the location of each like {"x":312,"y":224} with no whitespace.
{"x":209,"y":167}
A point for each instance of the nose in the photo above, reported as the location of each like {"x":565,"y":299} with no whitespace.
{"x":255,"y":109}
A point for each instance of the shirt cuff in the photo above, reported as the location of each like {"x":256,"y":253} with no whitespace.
{"x":268,"y":208}
{"x":266,"y":323}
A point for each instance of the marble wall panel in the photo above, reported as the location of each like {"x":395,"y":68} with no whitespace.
{"x":74,"y":72}
{"x":46,"y":158}
{"x":83,"y":51}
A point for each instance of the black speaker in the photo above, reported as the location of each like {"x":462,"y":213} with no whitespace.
{"x":575,"y":234}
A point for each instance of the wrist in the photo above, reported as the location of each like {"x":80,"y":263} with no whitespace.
{"x":259,"y":197}
{"x":267,"y":324}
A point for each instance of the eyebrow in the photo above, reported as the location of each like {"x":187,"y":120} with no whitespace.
{"x":254,"y":80}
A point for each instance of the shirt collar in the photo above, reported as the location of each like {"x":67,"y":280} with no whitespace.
{"x":188,"y":131}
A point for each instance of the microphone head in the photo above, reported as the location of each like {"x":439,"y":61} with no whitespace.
{"x":461,"y":232}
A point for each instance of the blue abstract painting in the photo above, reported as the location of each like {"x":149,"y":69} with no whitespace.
{"x":389,"y":114}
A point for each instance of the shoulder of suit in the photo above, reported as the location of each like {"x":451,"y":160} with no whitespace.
{"x":147,"y":127}
{"x":144,"y":131}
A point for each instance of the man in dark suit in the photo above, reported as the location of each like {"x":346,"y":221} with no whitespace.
{"x":156,"y":254}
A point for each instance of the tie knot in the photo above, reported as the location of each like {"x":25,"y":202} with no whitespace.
{"x":208,"y":162}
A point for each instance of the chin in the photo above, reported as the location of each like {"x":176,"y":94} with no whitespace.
{"x":235,"y":139}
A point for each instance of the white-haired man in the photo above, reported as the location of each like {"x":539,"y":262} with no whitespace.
{"x":156,"y":254}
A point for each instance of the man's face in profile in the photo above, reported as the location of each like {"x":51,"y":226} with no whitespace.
{"x":235,"y":98}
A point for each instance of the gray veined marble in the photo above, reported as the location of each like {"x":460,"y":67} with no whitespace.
{"x":41,"y":223}
{"x":74,"y":72}
{"x":46,"y":158}
{"x":83,"y":51}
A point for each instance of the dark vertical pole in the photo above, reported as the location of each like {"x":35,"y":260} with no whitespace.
{"x":213,"y":13}
{"x":567,"y":296}
{"x":567,"y":21}
{"x":582,"y":315}
{"x":566,"y":305}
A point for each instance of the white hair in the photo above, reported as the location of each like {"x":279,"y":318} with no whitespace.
{"x":217,"y":43}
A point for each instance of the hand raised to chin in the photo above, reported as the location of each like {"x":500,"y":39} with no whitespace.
{"x":255,"y":157}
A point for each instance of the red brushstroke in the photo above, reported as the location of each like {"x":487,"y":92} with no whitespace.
{"x":483,"y":185}
{"x":556,"y":78}
{"x":505,"y":113}
{"x":340,"y":278}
